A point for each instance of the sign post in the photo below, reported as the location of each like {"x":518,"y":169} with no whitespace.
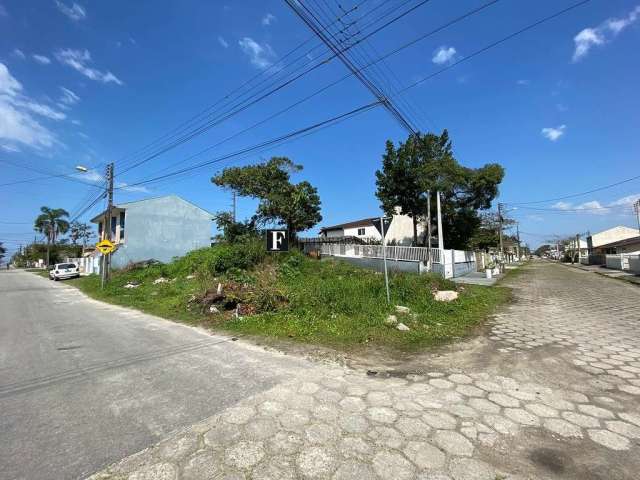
{"x":384,"y":254}
{"x":105,"y":247}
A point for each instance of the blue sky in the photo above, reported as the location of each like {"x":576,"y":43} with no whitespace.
{"x":92,"y":82}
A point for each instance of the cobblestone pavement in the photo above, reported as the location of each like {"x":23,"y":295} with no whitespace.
{"x":552,"y":391}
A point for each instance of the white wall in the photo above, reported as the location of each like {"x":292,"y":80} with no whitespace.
{"x":401,"y":230}
{"x":369,"y":232}
{"x":613,"y":235}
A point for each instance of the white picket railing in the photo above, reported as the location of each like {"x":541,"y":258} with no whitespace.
{"x":415,"y":254}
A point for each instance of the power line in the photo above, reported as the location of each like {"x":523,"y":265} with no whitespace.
{"x":496,"y":43}
{"x":274,"y":141}
{"x":240,"y":107}
{"x":311,"y":20}
{"x":599,"y":189}
{"x":276,"y":69}
{"x":348,"y":75}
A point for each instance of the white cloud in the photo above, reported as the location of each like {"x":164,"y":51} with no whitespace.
{"x":78,"y":60}
{"x":3,"y":11}
{"x":444,"y":55}
{"x":92,"y":176}
{"x":222,"y":42}
{"x":594,"y":207}
{"x":553,"y":134}
{"x":135,"y":188}
{"x":603,"y":33}
{"x":260,"y":56}
{"x":17,"y":125}
{"x":39,"y":109}
{"x":523,"y":82}
{"x":41,"y":59}
{"x":75,"y":12}
{"x":76,"y":122}
{"x":268,"y":19}
{"x":68,"y":97}
{"x":18,"y":53}
{"x":584,"y":40}
{"x":629,"y":200}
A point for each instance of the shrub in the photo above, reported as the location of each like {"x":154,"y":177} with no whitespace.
{"x":219,"y":259}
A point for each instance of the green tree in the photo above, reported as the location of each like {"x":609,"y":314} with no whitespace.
{"x":294,"y":205}
{"x":51,"y":223}
{"x":488,"y":233}
{"x":430,"y":166}
{"x":80,"y":231}
{"x":233,"y":231}
{"x":2,"y":251}
{"x":399,"y":183}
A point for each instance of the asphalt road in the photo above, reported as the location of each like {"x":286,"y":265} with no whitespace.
{"x":83,"y":384}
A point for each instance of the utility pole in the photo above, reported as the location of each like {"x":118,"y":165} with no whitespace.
{"x":500,"y":231}
{"x":578,"y":245}
{"x":429,"y":227}
{"x":233,"y":205}
{"x":440,"y":235}
{"x":636,"y":207}
{"x":106,"y":259}
{"x":518,"y":238}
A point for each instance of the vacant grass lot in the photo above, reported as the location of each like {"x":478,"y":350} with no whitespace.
{"x":294,"y":297}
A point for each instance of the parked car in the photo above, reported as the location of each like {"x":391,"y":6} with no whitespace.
{"x":60,"y":271}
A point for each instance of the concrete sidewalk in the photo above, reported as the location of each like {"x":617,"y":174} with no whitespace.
{"x":607,"y":272}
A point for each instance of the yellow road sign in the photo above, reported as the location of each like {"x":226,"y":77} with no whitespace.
{"x":105,"y":246}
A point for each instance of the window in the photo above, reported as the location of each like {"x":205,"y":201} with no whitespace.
{"x":114,"y":222}
{"x":360,"y":231}
{"x":121,"y":225}
{"x":100,"y":230}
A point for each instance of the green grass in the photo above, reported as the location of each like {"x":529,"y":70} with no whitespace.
{"x":317,"y":302}
{"x":335,"y":304}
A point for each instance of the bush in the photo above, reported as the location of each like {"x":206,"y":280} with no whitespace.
{"x":219,"y":259}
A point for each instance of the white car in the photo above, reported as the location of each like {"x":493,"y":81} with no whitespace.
{"x":60,"y":271}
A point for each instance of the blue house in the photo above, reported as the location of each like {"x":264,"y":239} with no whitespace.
{"x":159,"y":228}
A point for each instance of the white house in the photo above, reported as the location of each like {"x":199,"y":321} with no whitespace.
{"x":400,"y":231}
{"x":609,"y":236}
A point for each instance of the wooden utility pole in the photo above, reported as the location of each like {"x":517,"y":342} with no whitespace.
{"x":518,"y":238}
{"x":636,"y":207}
{"x":106,"y":258}
{"x":578,"y":245}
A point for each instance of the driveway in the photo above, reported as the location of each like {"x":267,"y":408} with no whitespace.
{"x":550,"y":391}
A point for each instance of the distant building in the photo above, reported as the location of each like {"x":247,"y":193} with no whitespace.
{"x":159,"y":228}
{"x":400,"y":231}
{"x":597,"y":241}
{"x":628,"y":245}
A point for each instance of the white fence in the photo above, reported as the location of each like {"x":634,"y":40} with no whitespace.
{"x":411,"y":254}
{"x":449,"y":263}
{"x":624,"y":261}
{"x":86,"y":265}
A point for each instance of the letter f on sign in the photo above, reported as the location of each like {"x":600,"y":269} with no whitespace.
{"x":276,"y":240}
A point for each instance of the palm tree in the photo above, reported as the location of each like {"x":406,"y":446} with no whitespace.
{"x":51,"y":223}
